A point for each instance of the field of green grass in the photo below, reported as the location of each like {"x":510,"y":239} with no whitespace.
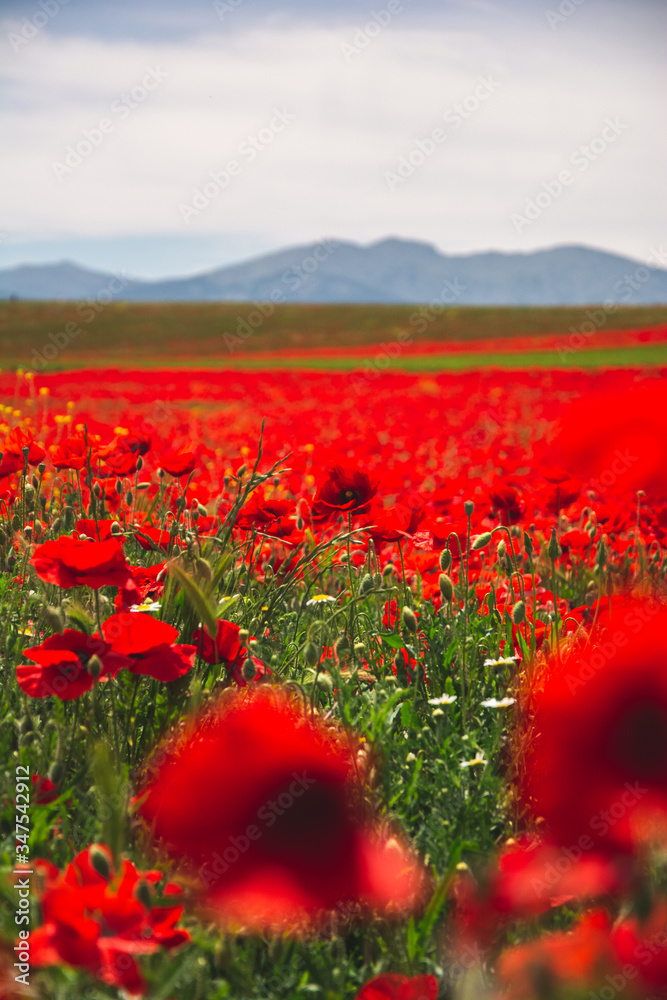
{"x":179,"y":333}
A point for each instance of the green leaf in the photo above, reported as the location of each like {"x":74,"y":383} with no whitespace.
{"x":393,"y":639}
{"x":195,"y":596}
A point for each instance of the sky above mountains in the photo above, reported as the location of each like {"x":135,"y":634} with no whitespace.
{"x":168,"y":138}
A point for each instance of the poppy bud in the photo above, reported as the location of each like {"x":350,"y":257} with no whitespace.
{"x":115,"y":528}
{"x":518,"y":612}
{"x":468,"y":507}
{"x":55,"y":618}
{"x":99,"y":861}
{"x":160,"y":473}
{"x":16,"y":522}
{"x":142,"y":486}
{"x":408,"y":618}
{"x":388,"y":570}
{"x":341,"y":646}
{"x":94,"y":667}
{"x":56,"y":772}
{"x":240,"y":472}
{"x":129,"y":497}
{"x":35,"y":482}
{"x":202,"y":510}
{"x":446,"y":587}
{"x":140,"y":464}
{"x":554,"y":549}
{"x":445,"y":560}
{"x":481,"y":541}
{"x":204,"y":569}
{"x":528,"y":544}
{"x":311,"y":655}
{"x":69,"y":517}
{"x":366,"y":584}
{"x":501,"y":548}
{"x":249,"y":670}
{"x":97,"y":489}
{"x":119,"y":487}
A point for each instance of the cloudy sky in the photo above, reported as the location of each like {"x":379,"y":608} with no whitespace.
{"x":165,"y":138}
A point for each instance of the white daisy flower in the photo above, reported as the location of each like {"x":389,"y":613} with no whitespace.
{"x":444,"y":699}
{"x":479,"y":760}
{"x":498,"y":703}
{"x":504,"y":661}
{"x":319,"y":599}
{"x":146,"y":606}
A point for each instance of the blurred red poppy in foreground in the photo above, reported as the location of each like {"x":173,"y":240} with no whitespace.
{"x":263,"y":803}
{"x":97,"y":919}
{"x":70,"y":562}
{"x":618,"y":440}
{"x":393,"y":986}
{"x":596,"y":763}
{"x":344,"y":491}
{"x":61,"y":665}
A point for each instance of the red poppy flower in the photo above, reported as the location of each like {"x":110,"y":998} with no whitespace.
{"x":98,"y":920}
{"x":227,"y":646}
{"x":43,"y":790}
{"x":150,"y":538}
{"x":344,"y":491}
{"x":16,"y":441}
{"x":9,"y":465}
{"x":596,"y":764}
{"x":392,"y":986}
{"x":178,"y":463}
{"x":70,"y":562}
{"x":73,"y":453}
{"x":643,"y":945}
{"x":578,"y":959}
{"x":272,"y":517}
{"x":279,"y":837}
{"x":395,"y":523}
{"x":97,"y":530}
{"x":122,"y":463}
{"x":617,"y":441}
{"x":147,"y":581}
{"x":61,"y":662}
{"x":149,"y":645}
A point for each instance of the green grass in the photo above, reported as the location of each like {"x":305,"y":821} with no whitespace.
{"x":131,"y":333}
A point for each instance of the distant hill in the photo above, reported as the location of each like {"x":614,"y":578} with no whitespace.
{"x":390,"y":271}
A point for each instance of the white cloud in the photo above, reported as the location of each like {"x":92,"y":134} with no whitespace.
{"x":325,"y":172}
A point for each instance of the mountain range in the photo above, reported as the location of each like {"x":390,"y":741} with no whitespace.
{"x":389,"y":271}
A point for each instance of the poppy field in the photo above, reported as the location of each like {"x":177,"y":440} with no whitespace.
{"x":334,"y":683}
